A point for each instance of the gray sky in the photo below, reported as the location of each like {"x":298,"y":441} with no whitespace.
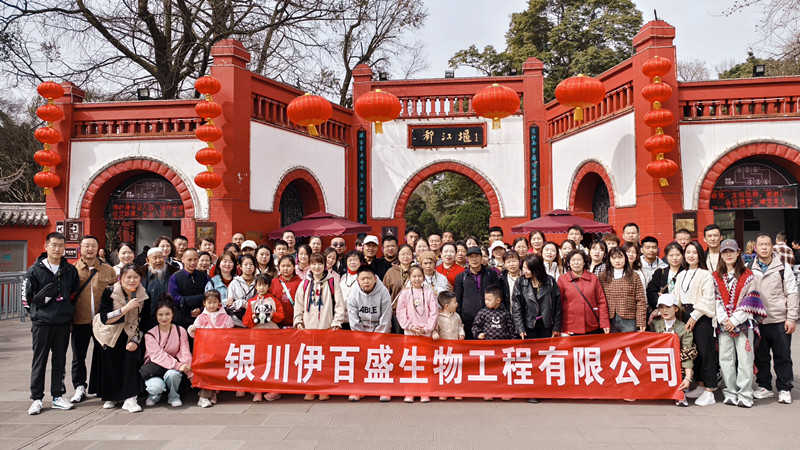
{"x":702,"y":31}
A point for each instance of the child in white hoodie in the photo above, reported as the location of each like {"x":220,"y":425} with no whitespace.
{"x":369,"y":308}
{"x":213,"y":316}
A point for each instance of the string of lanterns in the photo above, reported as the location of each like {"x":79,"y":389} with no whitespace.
{"x":659,"y":143}
{"x":47,"y":135}
{"x":208,"y":133}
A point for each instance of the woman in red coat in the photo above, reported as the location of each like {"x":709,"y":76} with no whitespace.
{"x":284,"y":288}
{"x":583,"y":304}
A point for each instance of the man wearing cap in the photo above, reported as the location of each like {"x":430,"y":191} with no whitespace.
{"x":94,"y":277}
{"x":470,"y":287}
{"x":778,"y":290}
{"x":249,"y":247}
{"x":370,"y":252}
{"x":156,"y":281}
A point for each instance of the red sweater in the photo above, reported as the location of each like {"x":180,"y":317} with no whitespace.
{"x":451,"y":274}
{"x":577,"y":316}
{"x":276,"y":290}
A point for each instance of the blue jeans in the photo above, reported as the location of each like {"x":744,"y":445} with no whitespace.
{"x":620,"y":325}
{"x":156,"y":386}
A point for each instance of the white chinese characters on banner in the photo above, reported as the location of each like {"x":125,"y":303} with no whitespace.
{"x":240,"y":362}
{"x":448,"y":366}
{"x":625,"y":374}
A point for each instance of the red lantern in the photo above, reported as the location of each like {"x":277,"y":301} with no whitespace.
{"x":47,"y":135}
{"x":208,"y":110}
{"x":656,"y":67}
{"x":378,"y":106}
{"x":47,"y":180}
{"x":308,"y":111}
{"x":49,"y":113}
{"x":207,"y":181}
{"x":50,"y":90}
{"x":662,"y":169}
{"x":207,"y":85}
{"x":208,"y":156}
{"x":580,"y":92}
{"x":495,"y":102}
{"x":657,"y":92}
{"x":658,"y":118}
{"x":208,"y":133}
{"x":659,"y":143}
{"x":47,"y":158}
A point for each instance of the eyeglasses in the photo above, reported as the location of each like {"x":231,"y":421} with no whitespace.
{"x":338,"y":244}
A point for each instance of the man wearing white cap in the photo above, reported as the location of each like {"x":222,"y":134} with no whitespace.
{"x":371,"y":245}
{"x":156,"y":281}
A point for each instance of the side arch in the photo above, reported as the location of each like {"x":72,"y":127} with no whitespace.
{"x":450,"y":166}
{"x":587,"y":169}
{"x":103,"y":184}
{"x":308,"y":178}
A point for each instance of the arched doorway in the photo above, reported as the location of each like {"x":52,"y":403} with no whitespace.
{"x":448,"y":201}
{"x":591,"y":196}
{"x":299,"y":198}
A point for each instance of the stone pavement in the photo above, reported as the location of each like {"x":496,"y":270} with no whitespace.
{"x":291,"y":423}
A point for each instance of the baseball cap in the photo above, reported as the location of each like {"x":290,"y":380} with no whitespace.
{"x":249,"y":244}
{"x":474,"y":250}
{"x":371,"y":239}
{"x":496,"y":244}
{"x":667,"y":300}
{"x":729,"y":244}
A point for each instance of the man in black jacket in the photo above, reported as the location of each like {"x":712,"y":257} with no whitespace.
{"x":471,"y":287}
{"x":187,"y":287}
{"x":49,"y":288}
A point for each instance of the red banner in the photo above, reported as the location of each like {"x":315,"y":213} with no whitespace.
{"x":612,"y":366}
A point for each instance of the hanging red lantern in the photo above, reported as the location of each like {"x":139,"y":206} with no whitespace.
{"x":208,"y":156}
{"x":580,"y":92}
{"x":495,"y":102}
{"x":659,"y":143}
{"x":208,"y":133}
{"x":308,"y":111}
{"x":662,"y":169}
{"x":207,"y":85}
{"x":47,"y":180}
{"x":49,"y":113}
{"x":50,"y":90}
{"x":207,"y":181}
{"x":47,"y":135}
{"x":658,"y":118}
{"x":378,"y":106}
{"x":657,"y":66}
{"x":47,"y":158}
{"x":208,"y":110}
{"x":657,"y":92}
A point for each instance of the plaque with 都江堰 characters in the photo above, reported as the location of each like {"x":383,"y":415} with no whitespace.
{"x":438,"y":136}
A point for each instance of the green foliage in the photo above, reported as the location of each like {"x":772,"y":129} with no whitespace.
{"x":17,"y":124}
{"x":449,"y":201}
{"x":772,"y":67}
{"x":568,"y":36}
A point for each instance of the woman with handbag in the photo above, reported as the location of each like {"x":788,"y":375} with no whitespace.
{"x":117,"y":360}
{"x":583,"y":304}
{"x":167,"y":356}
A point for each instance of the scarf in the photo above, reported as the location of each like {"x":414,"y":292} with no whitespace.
{"x":751,"y":303}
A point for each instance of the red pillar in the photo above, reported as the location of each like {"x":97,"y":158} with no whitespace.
{"x":655,"y":205}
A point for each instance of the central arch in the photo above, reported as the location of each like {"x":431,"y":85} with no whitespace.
{"x":433,"y":169}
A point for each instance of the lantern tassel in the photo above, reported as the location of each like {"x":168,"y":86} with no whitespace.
{"x":46,"y":191}
{"x":578,"y":114}
{"x":312,"y":130}
{"x":378,"y":127}
{"x":663,"y":182}
{"x":496,"y":123}
{"x":208,"y":193}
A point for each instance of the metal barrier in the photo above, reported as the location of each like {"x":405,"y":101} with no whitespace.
{"x":11,"y":296}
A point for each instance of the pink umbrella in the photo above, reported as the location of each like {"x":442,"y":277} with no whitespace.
{"x":322,"y":224}
{"x":559,"y":221}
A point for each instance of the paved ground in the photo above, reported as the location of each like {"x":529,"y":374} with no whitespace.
{"x":292,"y":423}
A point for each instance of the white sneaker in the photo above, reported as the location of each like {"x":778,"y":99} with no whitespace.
{"x":132,"y":405}
{"x":762,"y":393}
{"x":176,"y":403}
{"x":706,"y":399}
{"x":36,"y":407}
{"x":109,"y":404}
{"x":785,"y":397}
{"x":745,"y":403}
{"x":61,"y":403}
{"x":696,"y":392}
{"x":149,"y":402}
{"x":80,"y":394}
{"x":204,"y":402}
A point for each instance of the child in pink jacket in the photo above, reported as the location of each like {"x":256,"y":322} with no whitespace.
{"x":417,"y":311}
{"x":213,"y":316}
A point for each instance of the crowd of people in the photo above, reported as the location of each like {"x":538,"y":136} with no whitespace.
{"x":142,"y":311}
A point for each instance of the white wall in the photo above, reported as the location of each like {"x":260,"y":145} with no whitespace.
{"x":91,"y":157}
{"x":703,"y":144}
{"x":502,"y":162}
{"x":612,"y":145}
{"x":275,"y":152}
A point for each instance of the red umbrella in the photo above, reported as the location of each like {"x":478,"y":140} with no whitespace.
{"x":322,"y":224}
{"x":559,"y":221}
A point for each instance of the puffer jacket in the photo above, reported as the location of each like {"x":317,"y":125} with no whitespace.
{"x":54,"y":311}
{"x":544,"y":306}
